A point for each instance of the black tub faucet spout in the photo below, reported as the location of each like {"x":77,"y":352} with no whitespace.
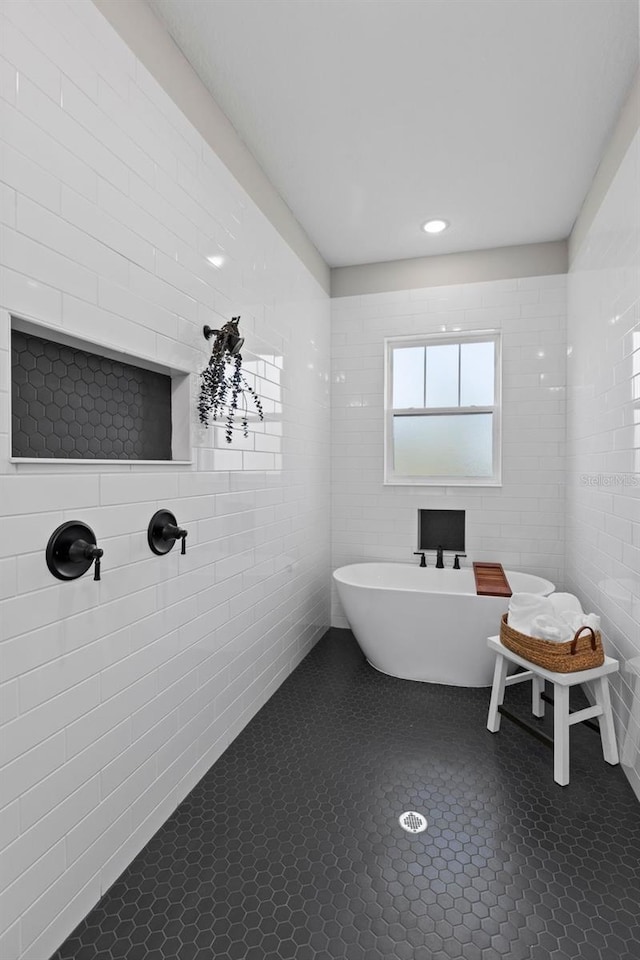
{"x":439,"y":560}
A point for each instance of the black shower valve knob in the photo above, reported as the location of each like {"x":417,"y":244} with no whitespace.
{"x":163,"y":531}
{"x":71,"y":550}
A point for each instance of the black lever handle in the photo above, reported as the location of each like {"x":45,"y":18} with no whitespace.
{"x":80,"y":550}
{"x":171,"y":532}
{"x":456,"y":560}
{"x":423,"y":559}
{"x":95,"y":553}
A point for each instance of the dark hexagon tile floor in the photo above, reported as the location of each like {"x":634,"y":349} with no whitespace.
{"x":290,"y":846}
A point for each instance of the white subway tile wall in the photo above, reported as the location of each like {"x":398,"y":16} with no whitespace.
{"x":520,"y":524}
{"x":117,"y":696}
{"x":603,"y":439}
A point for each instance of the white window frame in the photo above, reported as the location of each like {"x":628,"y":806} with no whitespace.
{"x":426,"y":340}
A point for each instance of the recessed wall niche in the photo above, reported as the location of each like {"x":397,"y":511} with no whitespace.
{"x":441,"y":528}
{"x":71,"y":400}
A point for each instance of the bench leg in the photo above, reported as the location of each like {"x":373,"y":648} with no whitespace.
{"x":497,"y":693}
{"x":561,"y":734}
{"x":607,"y":730}
{"x":537,"y":689}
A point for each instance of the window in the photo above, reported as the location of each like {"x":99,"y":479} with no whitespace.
{"x":442,"y":410}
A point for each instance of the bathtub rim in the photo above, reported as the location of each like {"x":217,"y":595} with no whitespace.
{"x":438,"y":590}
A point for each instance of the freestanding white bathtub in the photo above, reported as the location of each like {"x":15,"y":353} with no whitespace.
{"x":426,"y":624}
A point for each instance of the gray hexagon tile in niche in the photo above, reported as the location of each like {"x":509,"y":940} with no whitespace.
{"x":290,"y":845}
{"x":68,"y":403}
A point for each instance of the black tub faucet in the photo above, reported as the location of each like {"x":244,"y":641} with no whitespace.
{"x":439,"y":560}
{"x":456,"y":561}
{"x":423,"y":559}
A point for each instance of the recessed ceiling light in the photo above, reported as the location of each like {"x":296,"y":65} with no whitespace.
{"x":216,"y":261}
{"x":435,"y":226}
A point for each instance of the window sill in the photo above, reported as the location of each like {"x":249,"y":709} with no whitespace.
{"x":443,"y":482}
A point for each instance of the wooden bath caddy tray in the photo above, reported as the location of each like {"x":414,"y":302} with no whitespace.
{"x":491,"y":580}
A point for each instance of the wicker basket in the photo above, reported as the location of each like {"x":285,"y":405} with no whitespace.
{"x":584,"y":652}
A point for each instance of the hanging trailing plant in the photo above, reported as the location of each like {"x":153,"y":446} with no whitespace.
{"x":221,"y":390}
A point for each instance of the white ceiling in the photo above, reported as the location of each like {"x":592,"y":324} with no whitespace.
{"x":370,"y":116}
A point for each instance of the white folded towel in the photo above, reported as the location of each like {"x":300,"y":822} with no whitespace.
{"x":524,"y":607}
{"x":556,"y":617}
{"x":577,"y":620}
{"x":551,"y":628}
{"x":565,"y":603}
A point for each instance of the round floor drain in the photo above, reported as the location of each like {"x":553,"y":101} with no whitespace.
{"x":412,"y":822}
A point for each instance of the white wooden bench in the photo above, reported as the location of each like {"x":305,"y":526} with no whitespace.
{"x":563,"y":719}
